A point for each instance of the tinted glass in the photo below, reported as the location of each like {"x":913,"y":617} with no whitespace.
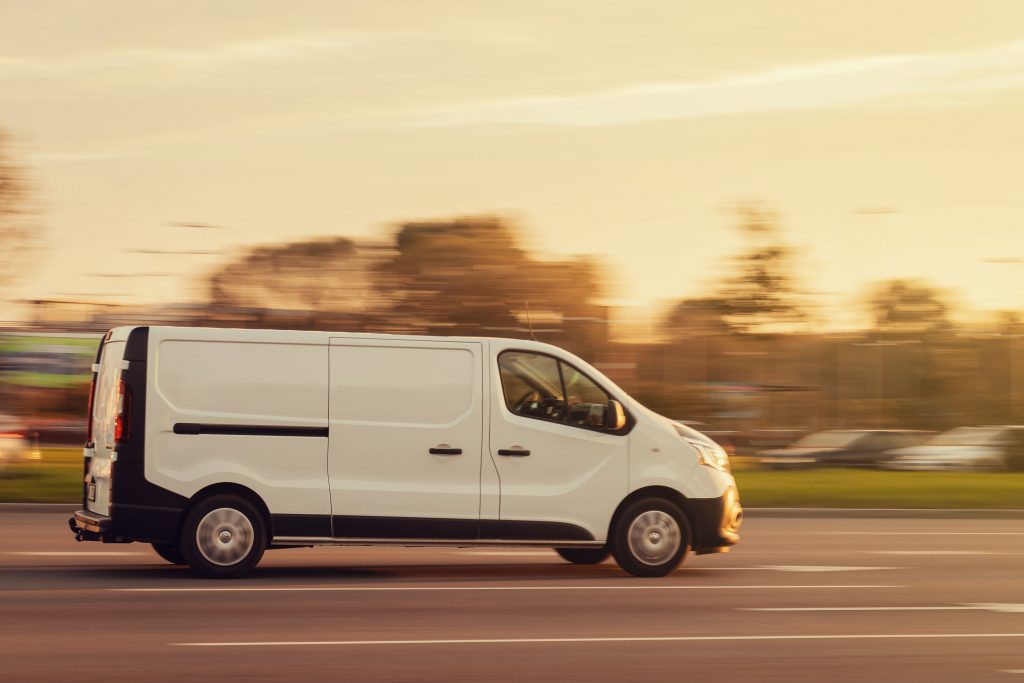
{"x":532,"y":385}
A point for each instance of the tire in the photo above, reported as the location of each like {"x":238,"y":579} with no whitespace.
{"x":223,"y":537}
{"x":650,"y":537}
{"x":583,"y":555}
{"x":169,"y":552}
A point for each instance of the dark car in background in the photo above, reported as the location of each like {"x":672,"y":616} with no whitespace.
{"x":842,"y":448}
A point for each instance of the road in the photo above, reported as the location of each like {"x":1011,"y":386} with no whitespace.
{"x":799,"y":600}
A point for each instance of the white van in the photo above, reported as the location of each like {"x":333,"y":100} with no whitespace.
{"x":216,"y":444}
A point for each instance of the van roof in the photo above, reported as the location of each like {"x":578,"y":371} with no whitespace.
{"x":303,"y":336}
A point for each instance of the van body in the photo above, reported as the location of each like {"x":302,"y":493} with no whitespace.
{"x":216,"y":444}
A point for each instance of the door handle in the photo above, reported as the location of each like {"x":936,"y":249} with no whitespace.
{"x":514,"y":452}
{"x":445,"y":449}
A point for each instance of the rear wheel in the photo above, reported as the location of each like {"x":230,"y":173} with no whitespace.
{"x":583,"y":555}
{"x":223,"y":537}
{"x":651,"y":537}
{"x":169,"y":552}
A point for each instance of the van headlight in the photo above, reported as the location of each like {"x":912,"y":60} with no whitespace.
{"x":709,"y":453}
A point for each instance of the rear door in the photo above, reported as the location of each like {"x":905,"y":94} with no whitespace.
{"x":406,"y":431}
{"x":104,"y":414}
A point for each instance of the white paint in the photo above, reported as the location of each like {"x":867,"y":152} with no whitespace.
{"x":918,"y":533}
{"x":625,"y":639}
{"x":819,"y":568}
{"x":358,"y":589}
{"x":977,"y":606}
{"x":76,"y":553}
{"x":932,"y":552}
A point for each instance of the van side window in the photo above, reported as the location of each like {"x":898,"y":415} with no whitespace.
{"x":586,"y":402}
{"x":532,"y":385}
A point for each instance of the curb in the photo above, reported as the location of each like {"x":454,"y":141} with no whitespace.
{"x":755,"y":513}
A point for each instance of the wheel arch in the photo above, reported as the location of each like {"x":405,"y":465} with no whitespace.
{"x":230,"y":488}
{"x":666,"y":493}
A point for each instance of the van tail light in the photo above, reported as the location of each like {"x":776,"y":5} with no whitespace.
{"x":92,"y":401}
{"x":123,"y":419}
{"x":12,"y":435}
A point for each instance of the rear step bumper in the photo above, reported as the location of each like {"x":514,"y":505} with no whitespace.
{"x":89,"y":526}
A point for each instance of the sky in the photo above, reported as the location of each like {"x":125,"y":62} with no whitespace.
{"x":887,"y":134}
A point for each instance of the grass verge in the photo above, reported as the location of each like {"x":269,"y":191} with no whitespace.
{"x":850,"y":488}
{"x":56,"y":478}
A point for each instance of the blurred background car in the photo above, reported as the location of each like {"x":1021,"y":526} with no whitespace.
{"x":963,"y":449}
{"x":841,"y":448}
{"x":14,"y":444}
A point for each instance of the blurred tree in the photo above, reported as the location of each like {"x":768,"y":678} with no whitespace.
{"x":323,"y":274}
{"x":907,"y":307}
{"x":760,"y":294}
{"x":702,"y":317}
{"x":470,"y":274}
{"x":18,"y":226}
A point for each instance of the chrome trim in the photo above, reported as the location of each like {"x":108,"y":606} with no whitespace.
{"x":426,"y":542}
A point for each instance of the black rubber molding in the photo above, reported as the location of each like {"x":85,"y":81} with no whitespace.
{"x":248,"y":430}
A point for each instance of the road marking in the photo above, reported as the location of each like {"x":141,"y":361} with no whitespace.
{"x":74,"y":553}
{"x":978,"y":606}
{"x":819,"y":568}
{"x":933,"y":552}
{"x":286,"y":589}
{"x":624,"y":639}
{"x":1013,"y":671}
{"x":918,"y":533}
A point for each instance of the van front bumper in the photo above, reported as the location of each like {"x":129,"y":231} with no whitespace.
{"x":716,"y":522}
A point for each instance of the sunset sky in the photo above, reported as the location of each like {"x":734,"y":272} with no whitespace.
{"x":889,"y":135}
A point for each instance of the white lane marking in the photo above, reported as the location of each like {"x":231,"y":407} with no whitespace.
{"x":978,"y":606}
{"x":917,"y":533}
{"x":1013,"y":671}
{"x":819,"y":568}
{"x":286,"y":589}
{"x":513,"y":553}
{"x":933,"y":552}
{"x":74,"y":553}
{"x":624,"y":639}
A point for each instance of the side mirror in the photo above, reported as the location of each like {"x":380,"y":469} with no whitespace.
{"x":616,"y":418}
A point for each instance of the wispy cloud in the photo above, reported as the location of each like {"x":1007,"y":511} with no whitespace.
{"x":829,"y":84}
{"x":273,"y":49}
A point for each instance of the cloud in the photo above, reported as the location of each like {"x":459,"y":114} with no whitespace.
{"x":829,"y":84}
{"x":268,"y":50}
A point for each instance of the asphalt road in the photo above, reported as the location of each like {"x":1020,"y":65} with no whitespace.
{"x":799,"y":600}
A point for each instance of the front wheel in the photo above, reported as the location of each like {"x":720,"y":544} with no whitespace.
{"x":583,"y":555}
{"x":223,"y":537}
{"x":651,"y":537}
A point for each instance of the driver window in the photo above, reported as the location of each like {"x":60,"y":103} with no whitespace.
{"x":586,"y":402}
{"x":532,"y":385}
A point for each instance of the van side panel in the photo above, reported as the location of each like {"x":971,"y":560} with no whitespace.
{"x":247,"y":412}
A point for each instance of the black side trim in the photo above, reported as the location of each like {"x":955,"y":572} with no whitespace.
{"x":351,"y":526}
{"x":248,"y":430}
{"x":348,"y":526}
{"x":515,"y":530}
{"x":311,"y":526}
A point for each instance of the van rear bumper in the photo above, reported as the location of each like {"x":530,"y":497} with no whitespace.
{"x":716,"y":522}
{"x":90,"y":526}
